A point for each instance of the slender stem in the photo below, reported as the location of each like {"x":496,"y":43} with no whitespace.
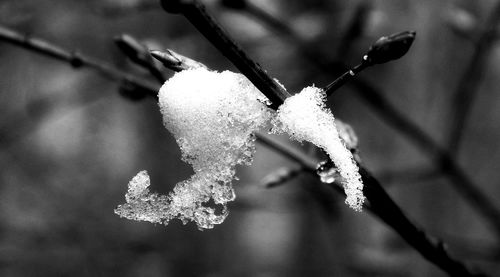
{"x":466,"y":92}
{"x":344,"y":78}
{"x":75,"y":59}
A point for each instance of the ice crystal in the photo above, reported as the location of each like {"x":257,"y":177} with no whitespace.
{"x":305,"y":117}
{"x":213,"y":117}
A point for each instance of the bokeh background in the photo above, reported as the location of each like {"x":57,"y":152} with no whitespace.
{"x":69,"y":143}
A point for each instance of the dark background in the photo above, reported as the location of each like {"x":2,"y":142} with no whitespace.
{"x":69,"y":144}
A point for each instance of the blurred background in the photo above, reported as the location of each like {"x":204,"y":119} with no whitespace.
{"x":70,"y":142}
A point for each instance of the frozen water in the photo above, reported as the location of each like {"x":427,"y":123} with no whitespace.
{"x":213,"y":117}
{"x":305,"y":117}
{"x":141,"y":204}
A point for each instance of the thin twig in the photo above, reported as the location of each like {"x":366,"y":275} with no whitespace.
{"x":466,"y":92}
{"x":75,"y":59}
{"x":389,"y":113}
{"x":379,"y":201}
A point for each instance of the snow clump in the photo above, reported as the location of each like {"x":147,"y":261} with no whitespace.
{"x":213,"y":117}
{"x":304,"y":116}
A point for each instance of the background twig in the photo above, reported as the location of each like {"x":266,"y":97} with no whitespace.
{"x":466,"y":91}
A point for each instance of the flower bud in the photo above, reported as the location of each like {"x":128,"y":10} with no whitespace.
{"x":390,"y":48}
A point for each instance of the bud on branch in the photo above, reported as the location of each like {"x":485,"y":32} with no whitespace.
{"x":389,"y":48}
{"x":385,"y":49}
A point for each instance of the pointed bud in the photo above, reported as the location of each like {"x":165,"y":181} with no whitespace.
{"x":175,"y":61}
{"x":390,"y":48}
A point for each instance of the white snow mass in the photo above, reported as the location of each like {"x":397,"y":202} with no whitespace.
{"x":304,"y":116}
{"x":213,"y":117}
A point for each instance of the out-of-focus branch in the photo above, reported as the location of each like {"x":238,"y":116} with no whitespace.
{"x":139,"y":54}
{"x":379,"y":201}
{"x":412,"y":174}
{"x":355,"y":28}
{"x":76,"y":60}
{"x":466,"y":91}
{"x":122,"y":8}
{"x":389,"y":113}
